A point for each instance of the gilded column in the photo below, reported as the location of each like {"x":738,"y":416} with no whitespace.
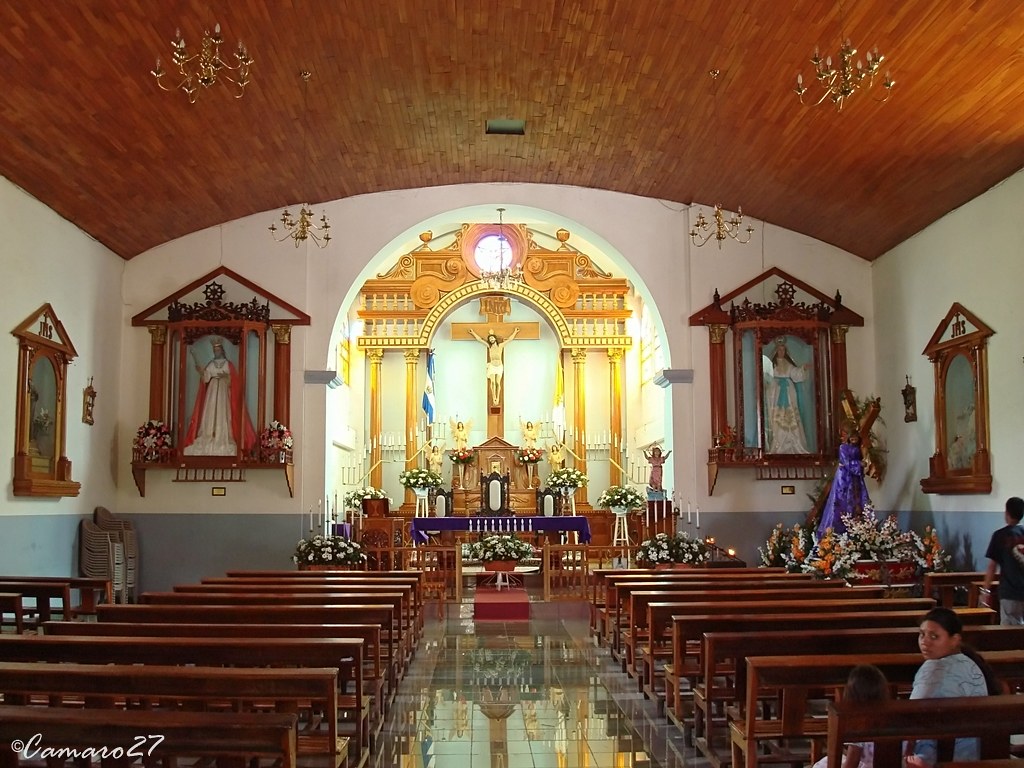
{"x":840,"y":375}
{"x":157,"y":361}
{"x":615,"y":395}
{"x":719,"y":409}
{"x":282,"y":371}
{"x":412,"y":358}
{"x":376,"y":358}
{"x":579,"y":413}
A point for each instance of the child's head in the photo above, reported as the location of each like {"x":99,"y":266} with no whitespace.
{"x":866,"y":683}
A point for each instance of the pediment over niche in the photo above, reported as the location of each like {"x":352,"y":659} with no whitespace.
{"x":221,"y":295}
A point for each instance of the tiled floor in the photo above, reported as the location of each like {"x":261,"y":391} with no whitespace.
{"x":535,"y":694}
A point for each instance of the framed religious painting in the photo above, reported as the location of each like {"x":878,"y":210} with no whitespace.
{"x":41,"y":466}
{"x":958,"y":351}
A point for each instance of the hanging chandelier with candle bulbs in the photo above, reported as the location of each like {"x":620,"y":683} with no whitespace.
{"x":496,"y":252}
{"x":204,"y":68}
{"x":303,"y":227}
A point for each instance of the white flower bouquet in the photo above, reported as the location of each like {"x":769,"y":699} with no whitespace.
{"x":328,"y":550}
{"x":622,"y":496}
{"x":354,"y":499}
{"x":502,"y":547}
{"x":672,"y":549}
{"x":420,"y":478}
{"x":567,"y":477}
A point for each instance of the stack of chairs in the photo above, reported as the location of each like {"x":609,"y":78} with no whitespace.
{"x":108,"y":548}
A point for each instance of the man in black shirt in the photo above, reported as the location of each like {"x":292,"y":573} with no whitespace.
{"x":1006,"y":553}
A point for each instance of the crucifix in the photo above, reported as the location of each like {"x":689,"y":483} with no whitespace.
{"x":495,"y":334}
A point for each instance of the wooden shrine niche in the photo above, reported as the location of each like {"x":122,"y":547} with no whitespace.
{"x":958,"y":351}
{"x":41,"y":467}
{"x":778,"y":369}
{"x":220,"y":372}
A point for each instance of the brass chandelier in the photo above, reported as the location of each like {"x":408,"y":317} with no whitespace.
{"x":206,"y":67}
{"x":842,"y":81}
{"x":723,"y":228}
{"x":304,"y":227}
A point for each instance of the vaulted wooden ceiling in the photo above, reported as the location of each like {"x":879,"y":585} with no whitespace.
{"x":615,"y":95}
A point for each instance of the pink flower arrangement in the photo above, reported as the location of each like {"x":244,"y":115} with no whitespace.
{"x":461,"y":456}
{"x":152,"y":442}
{"x":529,"y":455}
{"x":276,"y":437}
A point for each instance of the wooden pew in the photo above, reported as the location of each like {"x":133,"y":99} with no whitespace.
{"x":747,"y":727}
{"x":42,"y":593}
{"x":237,"y":736}
{"x":688,"y":662}
{"x":273,"y":614}
{"x":658,"y":645}
{"x":10,"y":603}
{"x":91,"y":589}
{"x":170,"y":688}
{"x":604,"y":604}
{"x":399,"y":600}
{"x":993,"y":719}
{"x":320,"y":586}
{"x":943,"y":586}
{"x":375,"y":673}
{"x":344,"y":653}
{"x":649,"y":630}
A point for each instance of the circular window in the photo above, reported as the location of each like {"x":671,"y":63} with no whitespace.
{"x":493,"y":253}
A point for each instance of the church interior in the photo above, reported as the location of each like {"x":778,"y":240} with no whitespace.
{"x":263,"y":270}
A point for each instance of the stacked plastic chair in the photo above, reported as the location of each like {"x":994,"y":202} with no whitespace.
{"x":110,"y":549}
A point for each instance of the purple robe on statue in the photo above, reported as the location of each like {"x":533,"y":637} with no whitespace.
{"x":849,"y":494}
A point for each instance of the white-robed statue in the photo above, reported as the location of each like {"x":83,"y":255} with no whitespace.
{"x":219,"y":420}
{"x":785,"y":428}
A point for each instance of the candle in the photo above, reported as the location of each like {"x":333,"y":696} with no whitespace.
{"x":689,"y":515}
{"x":698,"y":515}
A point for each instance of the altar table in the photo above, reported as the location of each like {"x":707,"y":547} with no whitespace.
{"x":498,"y":525}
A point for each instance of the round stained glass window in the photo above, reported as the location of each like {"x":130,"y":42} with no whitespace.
{"x":493,"y":253}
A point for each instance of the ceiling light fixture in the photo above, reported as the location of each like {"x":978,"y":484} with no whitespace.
{"x":702,"y":231}
{"x":205,"y":68}
{"x":303,"y":228}
{"x":840,"y":83}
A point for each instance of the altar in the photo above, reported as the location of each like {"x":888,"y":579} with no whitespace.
{"x":423,"y":527}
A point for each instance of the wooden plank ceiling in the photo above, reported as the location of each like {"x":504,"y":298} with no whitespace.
{"x":615,"y":95}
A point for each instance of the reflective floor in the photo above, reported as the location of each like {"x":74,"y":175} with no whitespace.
{"x":535,"y":694}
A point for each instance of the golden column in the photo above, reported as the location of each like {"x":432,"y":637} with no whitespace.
{"x":412,"y":358}
{"x":282,"y":371}
{"x":615,"y":413}
{"x":157,"y":355}
{"x":579,"y":414}
{"x":376,"y":358}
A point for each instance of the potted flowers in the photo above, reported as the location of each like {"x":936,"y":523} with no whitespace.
{"x":372,"y":501}
{"x":324,"y":552}
{"x":152,"y":443}
{"x":621,"y":499}
{"x":664,"y":551}
{"x":420,"y":479}
{"x":502,"y":552}
{"x":276,"y":442}
{"x":567,"y":478}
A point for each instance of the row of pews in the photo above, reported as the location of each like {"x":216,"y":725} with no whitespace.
{"x":295,"y":668}
{"x":27,"y":600}
{"x":750,"y":662}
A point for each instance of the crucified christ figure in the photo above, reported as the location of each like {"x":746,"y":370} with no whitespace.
{"x":495,"y":360}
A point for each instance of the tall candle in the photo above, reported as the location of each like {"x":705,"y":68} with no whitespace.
{"x":698,"y":515}
{"x":689,"y":515}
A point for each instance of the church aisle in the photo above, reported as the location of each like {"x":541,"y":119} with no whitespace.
{"x":534,"y":694}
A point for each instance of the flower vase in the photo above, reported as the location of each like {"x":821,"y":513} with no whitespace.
{"x":507,"y":566}
{"x":462,"y":476}
{"x":529,"y":474}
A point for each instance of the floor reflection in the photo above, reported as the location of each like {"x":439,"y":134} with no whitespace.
{"x":532,"y":694}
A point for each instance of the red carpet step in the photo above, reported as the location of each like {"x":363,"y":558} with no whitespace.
{"x":490,"y":604}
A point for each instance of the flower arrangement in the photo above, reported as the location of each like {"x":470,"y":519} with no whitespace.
{"x":726,"y":438}
{"x":420,"y":478}
{"x":787,"y":547}
{"x":461,"y":456}
{"x":622,"y":496}
{"x":529,"y":455}
{"x":152,"y":442}
{"x":502,"y":547}
{"x":354,"y":499}
{"x":832,"y":557}
{"x":328,"y":550}
{"x":672,"y":549}
{"x":276,"y":437}
{"x":567,"y":478}
{"x":929,"y":553}
{"x":871,"y":540}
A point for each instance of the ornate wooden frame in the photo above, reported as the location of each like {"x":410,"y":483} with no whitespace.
{"x":41,"y":467}
{"x":175,"y":324}
{"x":821,"y":325}
{"x":958,"y":350}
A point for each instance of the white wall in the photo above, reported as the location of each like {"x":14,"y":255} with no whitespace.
{"x":975,"y":256}
{"x":47,"y":259}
